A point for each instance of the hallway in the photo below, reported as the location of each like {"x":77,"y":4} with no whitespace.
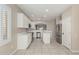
{"x":39,"y":48}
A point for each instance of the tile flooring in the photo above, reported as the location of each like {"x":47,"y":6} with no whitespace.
{"x":39,"y":48}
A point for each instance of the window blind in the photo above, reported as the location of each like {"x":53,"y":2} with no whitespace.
{"x":3,"y":22}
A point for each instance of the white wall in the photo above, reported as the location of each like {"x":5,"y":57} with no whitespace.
{"x":75,"y":28}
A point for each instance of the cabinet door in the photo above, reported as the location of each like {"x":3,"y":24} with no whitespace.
{"x":46,"y":37}
{"x":33,"y":25}
{"x":19,"y":20}
{"x":29,"y":38}
{"x":22,"y":42}
{"x":25,"y":22}
{"x":22,"y":21}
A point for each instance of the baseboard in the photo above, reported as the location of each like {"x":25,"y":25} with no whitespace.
{"x":74,"y":51}
{"x":13,"y":52}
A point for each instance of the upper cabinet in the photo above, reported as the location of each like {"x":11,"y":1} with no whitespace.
{"x":22,"y":21}
{"x":58,"y":20}
{"x":32,"y":25}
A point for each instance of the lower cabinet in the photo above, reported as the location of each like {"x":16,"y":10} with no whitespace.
{"x":23,"y":40}
{"x":46,"y":37}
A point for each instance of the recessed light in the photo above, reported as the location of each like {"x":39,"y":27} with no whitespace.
{"x":46,"y":10}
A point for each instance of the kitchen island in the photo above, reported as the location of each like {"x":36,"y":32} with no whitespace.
{"x":44,"y":35}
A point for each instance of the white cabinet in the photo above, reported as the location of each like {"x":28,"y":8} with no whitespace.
{"x":29,"y":38}
{"x":22,"y":21}
{"x":58,"y":20}
{"x":46,"y":37}
{"x":23,"y":40}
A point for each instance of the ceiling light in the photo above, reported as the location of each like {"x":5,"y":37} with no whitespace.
{"x":46,"y":10}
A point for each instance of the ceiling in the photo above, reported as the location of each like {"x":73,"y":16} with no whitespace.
{"x":43,"y":11}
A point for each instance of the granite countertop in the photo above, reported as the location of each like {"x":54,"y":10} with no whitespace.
{"x":39,"y":31}
{"x":24,"y":32}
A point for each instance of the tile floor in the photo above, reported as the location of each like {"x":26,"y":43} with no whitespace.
{"x":39,"y":48}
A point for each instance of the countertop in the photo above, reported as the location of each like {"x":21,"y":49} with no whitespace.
{"x":39,"y":31}
{"x":25,"y":33}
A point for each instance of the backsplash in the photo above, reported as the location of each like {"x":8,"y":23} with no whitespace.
{"x":19,"y":30}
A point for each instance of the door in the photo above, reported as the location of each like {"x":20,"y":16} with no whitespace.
{"x":66,"y":32}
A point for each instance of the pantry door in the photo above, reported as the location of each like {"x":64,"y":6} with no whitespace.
{"x":66,"y":32}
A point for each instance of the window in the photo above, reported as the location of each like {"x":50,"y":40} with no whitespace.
{"x":5,"y":15}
